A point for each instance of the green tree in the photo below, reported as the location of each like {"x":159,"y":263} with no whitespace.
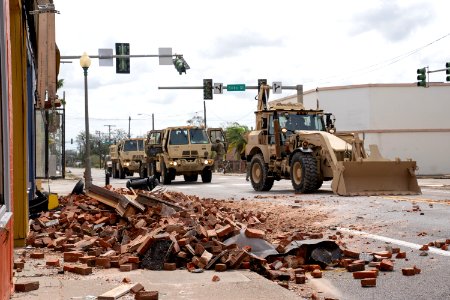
{"x":196,"y":120}
{"x":236,"y":137}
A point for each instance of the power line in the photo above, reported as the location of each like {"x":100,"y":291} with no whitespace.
{"x":379,"y":65}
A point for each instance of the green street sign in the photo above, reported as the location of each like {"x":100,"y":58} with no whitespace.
{"x":236,"y":87}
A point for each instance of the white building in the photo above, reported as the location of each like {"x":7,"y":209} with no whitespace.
{"x":404,"y":120}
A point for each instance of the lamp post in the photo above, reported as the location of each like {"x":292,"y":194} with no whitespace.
{"x":85,"y":63}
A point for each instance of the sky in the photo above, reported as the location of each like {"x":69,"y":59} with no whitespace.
{"x":314,"y":43}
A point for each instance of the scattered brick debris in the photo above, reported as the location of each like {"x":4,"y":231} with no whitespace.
{"x":26,"y":286}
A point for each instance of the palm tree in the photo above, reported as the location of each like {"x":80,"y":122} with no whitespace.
{"x":236,"y":137}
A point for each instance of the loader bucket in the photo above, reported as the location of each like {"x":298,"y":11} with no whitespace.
{"x":353,"y":178}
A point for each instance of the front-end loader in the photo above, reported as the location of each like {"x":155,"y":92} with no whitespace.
{"x":291,"y":142}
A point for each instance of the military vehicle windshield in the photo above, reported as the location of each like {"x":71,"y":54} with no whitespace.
{"x":133,"y":145}
{"x":179,"y":137}
{"x":301,"y":122}
{"x":198,"y":136}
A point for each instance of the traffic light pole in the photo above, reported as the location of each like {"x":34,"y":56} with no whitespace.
{"x":119,"y":56}
{"x":298,"y":88}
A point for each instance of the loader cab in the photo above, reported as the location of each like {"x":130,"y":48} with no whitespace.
{"x":290,"y":122}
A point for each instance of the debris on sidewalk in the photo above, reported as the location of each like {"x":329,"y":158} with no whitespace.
{"x":161,"y":230}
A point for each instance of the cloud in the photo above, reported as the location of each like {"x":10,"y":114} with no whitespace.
{"x":235,"y":44}
{"x":393,"y":22}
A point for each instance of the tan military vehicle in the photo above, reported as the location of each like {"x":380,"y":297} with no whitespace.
{"x":127,"y":157}
{"x":293,"y":143}
{"x":183,"y":150}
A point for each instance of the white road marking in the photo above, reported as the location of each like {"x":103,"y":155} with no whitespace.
{"x":393,"y":241}
{"x":241,"y":184}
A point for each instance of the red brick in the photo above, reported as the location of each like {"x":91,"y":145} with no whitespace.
{"x":354,"y":267}
{"x":416,"y":270}
{"x":385,"y":254}
{"x":83,"y":270}
{"x":424,"y":248}
{"x":395,"y":250}
{"x":215,"y":278}
{"x":225,"y":230}
{"x":364,"y":274}
{"x":386,"y":265}
{"x":52,"y":262}
{"x":299,"y":271}
{"x":245,"y":265}
{"x":137,"y":287}
{"x":19,"y":264}
{"x":220,"y":267}
{"x":310,"y":268}
{"x":126,"y":268}
{"x":103,"y":262}
{"x":133,"y":259}
{"x":408,"y":271}
{"x":69,"y":268}
{"x":316,"y":273}
{"x":369,"y":282}
{"x":148,"y":241}
{"x":300,"y":279}
{"x":211,"y":233}
{"x":88,"y":260}
{"x":146,"y":295}
{"x":351,"y":254}
{"x":170,"y":266}
{"x":72,"y":256}
{"x":401,"y":255}
{"x":254,"y":233}
{"x":26,"y":286}
{"x":37,"y":255}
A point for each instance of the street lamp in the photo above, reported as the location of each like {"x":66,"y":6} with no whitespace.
{"x":153,"y":119}
{"x":85,"y":63}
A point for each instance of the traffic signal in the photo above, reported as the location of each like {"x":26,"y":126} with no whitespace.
{"x":180,"y":64}
{"x":447,"y":65}
{"x":422,"y":77}
{"x":207,"y":89}
{"x":123,"y":64}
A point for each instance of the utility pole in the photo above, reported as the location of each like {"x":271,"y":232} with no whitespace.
{"x":109,"y":131}
{"x":99,"y":147}
{"x":204,"y":112}
{"x":129,"y":126}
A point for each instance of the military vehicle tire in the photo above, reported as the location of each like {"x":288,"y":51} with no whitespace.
{"x":143,"y":172}
{"x":121,"y":172}
{"x":206,"y":175}
{"x":259,"y":172}
{"x":165,"y":176}
{"x":191,"y":178}
{"x":115,"y":172}
{"x":304,"y":175}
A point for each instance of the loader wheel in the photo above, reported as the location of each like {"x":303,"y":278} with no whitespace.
{"x":191,"y":178}
{"x":259,"y":174}
{"x":206,"y":175}
{"x":121,"y":172}
{"x":304,"y":175}
{"x":165,"y":176}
